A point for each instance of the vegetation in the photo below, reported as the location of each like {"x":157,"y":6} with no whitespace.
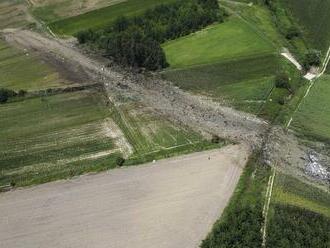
{"x":5,"y":94}
{"x":282,"y":80}
{"x":314,"y":121}
{"x":231,"y":39}
{"x":36,"y":75}
{"x":313,"y":18}
{"x":312,"y":58}
{"x":289,"y":190}
{"x":295,"y":227}
{"x":102,"y":18}
{"x":137,"y":41}
{"x":243,"y":83}
{"x":244,"y":212}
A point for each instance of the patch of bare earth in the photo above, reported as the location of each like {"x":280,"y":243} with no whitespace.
{"x":170,"y":203}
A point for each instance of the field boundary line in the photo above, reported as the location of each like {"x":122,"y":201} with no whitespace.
{"x":266,"y":206}
{"x":312,"y":83}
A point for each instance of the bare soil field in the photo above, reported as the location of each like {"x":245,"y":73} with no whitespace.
{"x":170,"y":203}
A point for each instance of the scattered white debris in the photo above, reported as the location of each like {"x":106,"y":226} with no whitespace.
{"x":310,"y":76}
{"x":315,"y":169}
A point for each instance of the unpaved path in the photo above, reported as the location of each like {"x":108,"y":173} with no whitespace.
{"x":171,"y":203}
{"x":200,"y":114}
{"x":286,"y":54}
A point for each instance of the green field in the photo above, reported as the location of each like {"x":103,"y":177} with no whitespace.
{"x":102,"y":17}
{"x":54,"y":10}
{"x":288,"y":190}
{"x":59,"y":136}
{"x":232,"y":39}
{"x":44,"y":136}
{"x":313,"y":16}
{"x":299,"y":215}
{"x":23,"y":70}
{"x":243,"y":83}
{"x":313,"y":117}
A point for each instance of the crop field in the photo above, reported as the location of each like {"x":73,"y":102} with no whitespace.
{"x":60,"y":133}
{"x":313,"y":117}
{"x":243,"y":83}
{"x":73,"y":133}
{"x":13,"y":14}
{"x":35,"y":76}
{"x":299,"y":214}
{"x":313,"y":16}
{"x":225,"y":41}
{"x":288,"y":190}
{"x":152,"y":136}
{"x":103,"y":17}
{"x":53,"y":10}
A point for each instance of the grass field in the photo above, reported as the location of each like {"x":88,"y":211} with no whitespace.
{"x":13,"y":14}
{"x":313,"y":16}
{"x":225,"y":41}
{"x":103,"y":17}
{"x":288,"y":190}
{"x":23,"y":70}
{"x":153,"y":137}
{"x":54,"y":10}
{"x":243,"y":83}
{"x":313,"y":117}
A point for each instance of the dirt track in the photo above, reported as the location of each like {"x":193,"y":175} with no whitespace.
{"x":172,"y":203}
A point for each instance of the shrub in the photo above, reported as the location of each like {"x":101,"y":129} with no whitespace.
{"x":215,"y":139}
{"x":292,"y":32}
{"x":120,"y":161}
{"x":5,"y":94}
{"x":21,"y":93}
{"x":312,"y":58}
{"x":282,"y":81}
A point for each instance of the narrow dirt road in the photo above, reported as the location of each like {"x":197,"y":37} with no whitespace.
{"x":171,"y":203}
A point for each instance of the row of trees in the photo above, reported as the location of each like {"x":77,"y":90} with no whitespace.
{"x":137,"y":41}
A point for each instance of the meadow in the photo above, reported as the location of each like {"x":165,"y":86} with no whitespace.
{"x":314,"y":19}
{"x":243,"y":83}
{"x":36,"y":75}
{"x":225,"y":41}
{"x":103,"y":17}
{"x":313,"y":117}
{"x":54,"y":10}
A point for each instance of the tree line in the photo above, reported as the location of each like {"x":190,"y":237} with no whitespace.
{"x":136,"y":41}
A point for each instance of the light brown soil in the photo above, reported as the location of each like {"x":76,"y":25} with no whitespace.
{"x":171,"y":203}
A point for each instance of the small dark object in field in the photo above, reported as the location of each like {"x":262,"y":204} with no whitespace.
{"x":120,"y":161}
{"x":215,"y":139}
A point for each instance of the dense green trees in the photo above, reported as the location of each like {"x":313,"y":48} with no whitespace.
{"x":312,"y":58}
{"x":293,"y":227}
{"x":137,"y":41}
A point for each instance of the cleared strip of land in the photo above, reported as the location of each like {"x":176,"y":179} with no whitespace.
{"x":171,"y":203}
